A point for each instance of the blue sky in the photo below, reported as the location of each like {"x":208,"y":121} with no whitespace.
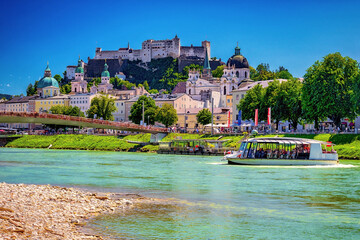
{"x":293,"y":34}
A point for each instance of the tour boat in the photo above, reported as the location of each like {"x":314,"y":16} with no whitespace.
{"x":283,"y":151}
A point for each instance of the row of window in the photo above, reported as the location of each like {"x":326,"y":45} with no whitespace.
{"x":77,"y":102}
{"x":52,"y":102}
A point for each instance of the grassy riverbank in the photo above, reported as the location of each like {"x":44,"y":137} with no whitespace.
{"x":347,"y":145}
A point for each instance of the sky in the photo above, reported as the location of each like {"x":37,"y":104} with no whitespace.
{"x":293,"y":34}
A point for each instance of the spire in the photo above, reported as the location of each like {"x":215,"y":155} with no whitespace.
{"x":237,"y":49}
{"x":128,"y":45}
{"x":47,"y":67}
{"x":206,"y":62}
{"x":47,"y":71}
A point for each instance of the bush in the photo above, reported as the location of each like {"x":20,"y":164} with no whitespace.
{"x":150,"y":148}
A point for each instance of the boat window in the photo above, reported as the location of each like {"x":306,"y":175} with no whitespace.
{"x":242,"y":146}
{"x":247,"y":147}
{"x":302,"y":151}
{"x":252,"y":150}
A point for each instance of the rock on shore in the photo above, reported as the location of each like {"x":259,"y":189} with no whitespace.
{"x":51,"y":212}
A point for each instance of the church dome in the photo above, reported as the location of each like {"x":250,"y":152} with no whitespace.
{"x":47,"y":80}
{"x":238,"y":60}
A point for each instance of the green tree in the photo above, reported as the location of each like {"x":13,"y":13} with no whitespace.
{"x":171,"y":78}
{"x":356,"y":94}
{"x":218,"y":72}
{"x":30,"y":90}
{"x":150,"y":115}
{"x":283,"y":73}
{"x":275,"y":97}
{"x":137,"y":107}
{"x":253,"y":100}
{"x":204,"y":116}
{"x":153,"y":91}
{"x":185,"y":71}
{"x":327,"y":89}
{"x":67,"y":110}
{"x":146,"y":86}
{"x":167,"y":115}
{"x":58,"y":78}
{"x":65,"y":89}
{"x":102,"y":107}
{"x":293,"y":102}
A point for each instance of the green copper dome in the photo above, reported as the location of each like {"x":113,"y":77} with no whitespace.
{"x":47,"y":80}
{"x":105,"y":73}
{"x":79,"y":68}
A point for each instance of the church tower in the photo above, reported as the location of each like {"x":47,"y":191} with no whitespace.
{"x":79,"y":85}
{"x":207,"y":69}
{"x":105,"y":75}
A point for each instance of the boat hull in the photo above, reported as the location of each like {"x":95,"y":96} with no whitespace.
{"x":281,"y":162}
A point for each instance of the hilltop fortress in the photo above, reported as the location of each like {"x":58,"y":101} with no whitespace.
{"x":154,"y":49}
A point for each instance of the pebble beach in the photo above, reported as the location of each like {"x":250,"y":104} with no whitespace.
{"x":52,"y":212}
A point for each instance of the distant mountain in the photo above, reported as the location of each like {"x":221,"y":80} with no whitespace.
{"x":7,"y":96}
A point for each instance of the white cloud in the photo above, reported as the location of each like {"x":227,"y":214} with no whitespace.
{"x":8,"y":85}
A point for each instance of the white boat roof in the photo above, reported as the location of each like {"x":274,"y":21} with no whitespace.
{"x":287,"y":140}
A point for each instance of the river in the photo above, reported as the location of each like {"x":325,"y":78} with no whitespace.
{"x":213,"y":200}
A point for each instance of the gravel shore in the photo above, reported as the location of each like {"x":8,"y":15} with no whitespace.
{"x":51,"y":212}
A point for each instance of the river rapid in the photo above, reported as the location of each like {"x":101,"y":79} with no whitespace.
{"x":209,"y":199}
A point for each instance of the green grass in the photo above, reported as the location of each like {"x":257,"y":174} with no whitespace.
{"x":79,"y":142}
{"x":145,"y":137}
{"x":347,"y":145}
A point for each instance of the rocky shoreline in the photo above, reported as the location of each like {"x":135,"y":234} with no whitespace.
{"x":52,"y":212}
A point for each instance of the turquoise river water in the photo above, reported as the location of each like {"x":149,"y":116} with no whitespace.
{"x":213,"y":200}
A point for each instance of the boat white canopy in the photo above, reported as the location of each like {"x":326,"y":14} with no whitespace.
{"x":285,"y":140}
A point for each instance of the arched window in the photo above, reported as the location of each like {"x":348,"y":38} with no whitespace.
{"x":75,"y":89}
{"x":233,"y":87}
{"x":224,"y":90}
{"x":246,"y":75}
{"x":189,"y":91}
{"x":237,"y":74}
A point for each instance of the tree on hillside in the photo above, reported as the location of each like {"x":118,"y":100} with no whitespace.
{"x":167,"y":115}
{"x":102,"y":107}
{"x":185,"y":71}
{"x":327,"y":89}
{"x":119,"y":83}
{"x":66,"y":88}
{"x":218,"y":72}
{"x":58,"y":78}
{"x":253,"y":100}
{"x":204,"y":116}
{"x":170,"y":79}
{"x":137,"y":108}
{"x":146,"y":86}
